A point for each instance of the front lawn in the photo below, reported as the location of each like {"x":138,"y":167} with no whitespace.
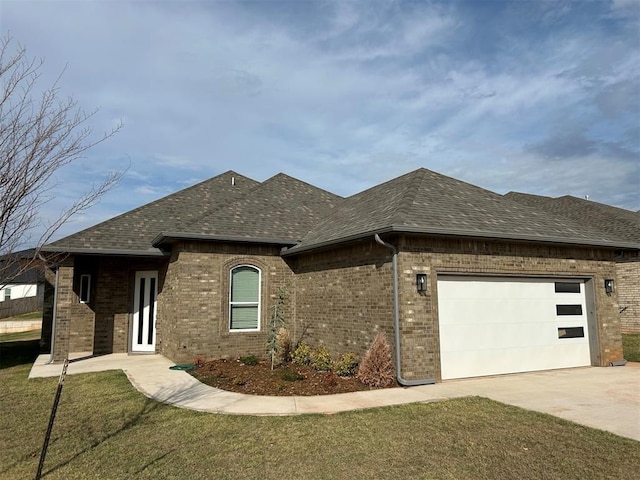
{"x":18,"y":352}
{"x":105,"y":429}
{"x":631,"y":347}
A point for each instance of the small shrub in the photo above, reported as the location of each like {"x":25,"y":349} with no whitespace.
{"x":302,"y":354}
{"x":346,"y":365}
{"x":283,"y":345}
{"x":376,"y":368}
{"x":249,"y":360}
{"x":331,"y":380}
{"x":291,"y":375}
{"x":321,"y":359}
{"x":238,"y":381}
{"x":198,"y":362}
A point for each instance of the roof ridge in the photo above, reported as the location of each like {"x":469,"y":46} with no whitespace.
{"x":208,"y":211}
{"x":409,"y":197}
{"x":594,"y":203}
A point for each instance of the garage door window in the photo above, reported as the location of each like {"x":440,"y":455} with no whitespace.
{"x":567,"y":287}
{"x":569,"y":309}
{"x":571,"y":332}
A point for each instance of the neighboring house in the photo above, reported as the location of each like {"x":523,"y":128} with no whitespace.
{"x":463,"y":281}
{"x":21,"y":283}
{"x":617,"y":222}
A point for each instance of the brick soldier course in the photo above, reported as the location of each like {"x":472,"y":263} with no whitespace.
{"x":320,"y":250}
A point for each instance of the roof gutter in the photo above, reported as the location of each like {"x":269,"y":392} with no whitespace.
{"x":97,"y":251}
{"x":493,"y":236}
{"x":396,"y":319}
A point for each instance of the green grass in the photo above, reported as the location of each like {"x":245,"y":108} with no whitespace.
{"x":105,"y":429}
{"x":26,"y":316}
{"x":21,"y":336}
{"x":18,"y":352}
{"x":631,"y":347}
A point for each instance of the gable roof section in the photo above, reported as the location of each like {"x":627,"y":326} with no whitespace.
{"x":281,"y":210}
{"x":132,"y":232}
{"x":20,"y":268}
{"x":427,"y":202}
{"x":618,"y":222}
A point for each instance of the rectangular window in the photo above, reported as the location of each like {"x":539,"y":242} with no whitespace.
{"x":244,"y":298}
{"x":7,"y":294}
{"x":569,"y":309}
{"x":85,"y":288}
{"x":571,"y":332}
{"x":567,"y":287}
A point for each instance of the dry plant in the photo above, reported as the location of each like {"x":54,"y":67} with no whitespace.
{"x":376,"y":368}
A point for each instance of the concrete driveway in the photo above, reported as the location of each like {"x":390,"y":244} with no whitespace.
{"x":605,"y":398}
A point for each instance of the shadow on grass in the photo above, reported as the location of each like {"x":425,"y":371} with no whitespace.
{"x":148,"y":407}
{"x":163,"y":397}
{"x":18,"y":353}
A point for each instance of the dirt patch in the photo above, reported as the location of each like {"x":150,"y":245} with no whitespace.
{"x":284,"y":380}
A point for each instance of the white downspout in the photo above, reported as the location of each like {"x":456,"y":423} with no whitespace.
{"x":396,"y":319}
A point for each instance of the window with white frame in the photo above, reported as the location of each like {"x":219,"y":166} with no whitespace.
{"x":7,"y":294}
{"x":244,"y":298}
{"x":85,"y":288}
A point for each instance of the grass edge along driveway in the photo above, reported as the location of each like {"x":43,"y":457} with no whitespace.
{"x":105,"y":429}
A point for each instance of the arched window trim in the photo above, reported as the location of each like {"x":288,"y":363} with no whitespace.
{"x":258,"y":303}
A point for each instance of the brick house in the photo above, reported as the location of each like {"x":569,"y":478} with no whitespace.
{"x":618,"y":222}
{"x":464,"y":281}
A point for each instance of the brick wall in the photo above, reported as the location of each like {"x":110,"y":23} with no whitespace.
{"x":418,"y":313}
{"x":345,"y":295}
{"x":628,"y":288}
{"x":113,"y":299}
{"x":339,"y":297}
{"x":193,"y":309}
{"x":101,"y":325}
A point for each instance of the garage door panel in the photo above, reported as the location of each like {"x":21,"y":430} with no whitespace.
{"x":499,"y":335}
{"x":487,"y":310}
{"x":511,"y":360}
{"x":495,"y":325}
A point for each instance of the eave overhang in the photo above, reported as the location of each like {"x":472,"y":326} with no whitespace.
{"x":479,"y":235}
{"x":169,"y":238}
{"x":152,"y":252}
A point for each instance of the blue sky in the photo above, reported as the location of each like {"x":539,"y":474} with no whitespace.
{"x":533,"y":96}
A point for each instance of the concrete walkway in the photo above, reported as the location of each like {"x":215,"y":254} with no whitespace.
{"x":604,"y":398}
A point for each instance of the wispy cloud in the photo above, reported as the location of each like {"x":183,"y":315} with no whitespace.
{"x":529,"y":96}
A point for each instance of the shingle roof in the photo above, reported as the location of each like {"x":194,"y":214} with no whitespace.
{"x":282,"y":209}
{"x":20,"y":267}
{"x":133,"y":231}
{"x":427,"y":202}
{"x":621,"y":223}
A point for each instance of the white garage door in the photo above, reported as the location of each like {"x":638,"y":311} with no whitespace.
{"x":496,"y":325}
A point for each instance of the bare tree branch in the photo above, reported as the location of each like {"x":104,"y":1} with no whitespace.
{"x":39,"y":134}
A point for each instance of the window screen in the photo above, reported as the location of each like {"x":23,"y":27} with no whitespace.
{"x":244,"y":302}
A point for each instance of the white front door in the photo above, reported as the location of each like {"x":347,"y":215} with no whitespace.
{"x":143,"y":333}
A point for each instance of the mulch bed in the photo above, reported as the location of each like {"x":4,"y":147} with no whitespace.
{"x":284,"y":380}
